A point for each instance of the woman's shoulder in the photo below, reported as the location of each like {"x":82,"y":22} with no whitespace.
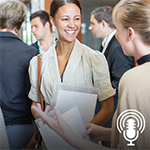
{"x":136,"y":75}
{"x":87,"y":51}
{"x":137,"y":71}
{"x":94,"y":57}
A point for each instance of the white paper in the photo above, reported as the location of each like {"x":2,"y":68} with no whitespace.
{"x":66,"y":87}
{"x":53,"y":140}
{"x":86,"y":100}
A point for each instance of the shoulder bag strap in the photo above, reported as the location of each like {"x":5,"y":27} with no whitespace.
{"x":39,"y":78}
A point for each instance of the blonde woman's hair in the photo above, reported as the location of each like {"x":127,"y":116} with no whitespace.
{"x":135,"y":14}
{"x":12,"y":14}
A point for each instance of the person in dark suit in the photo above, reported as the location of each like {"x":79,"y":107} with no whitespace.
{"x":14,"y":79}
{"x":42,"y":30}
{"x":102,"y":27}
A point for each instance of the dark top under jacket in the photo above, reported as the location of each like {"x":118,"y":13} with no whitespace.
{"x":14,"y":80}
{"x":144,"y":59}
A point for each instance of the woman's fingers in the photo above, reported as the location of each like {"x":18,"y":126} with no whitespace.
{"x":61,"y":122}
{"x":39,"y":105}
{"x":87,"y":126}
{"x":57,"y":114}
{"x":37,"y":108}
{"x":55,"y":117}
{"x":47,"y":109}
{"x":41,"y":113}
{"x":85,"y":134}
{"x":88,"y":130}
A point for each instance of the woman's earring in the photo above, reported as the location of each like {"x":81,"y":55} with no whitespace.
{"x":53,"y":28}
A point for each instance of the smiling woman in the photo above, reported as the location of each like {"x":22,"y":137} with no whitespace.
{"x":68,"y":22}
{"x":71,"y":62}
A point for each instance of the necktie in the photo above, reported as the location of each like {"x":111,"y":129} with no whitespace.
{"x":101,"y":48}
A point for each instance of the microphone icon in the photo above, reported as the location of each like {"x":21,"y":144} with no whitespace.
{"x":131,"y":122}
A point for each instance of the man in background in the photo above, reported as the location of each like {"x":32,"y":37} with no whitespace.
{"x":15,"y":56}
{"x":102,"y":27}
{"x":42,"y":30}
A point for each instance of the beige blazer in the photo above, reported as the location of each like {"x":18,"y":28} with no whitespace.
{"x":134,"y":93}
{"x":85,"y":68}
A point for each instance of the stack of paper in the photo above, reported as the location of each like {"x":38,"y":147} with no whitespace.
{"x":77,"y":109}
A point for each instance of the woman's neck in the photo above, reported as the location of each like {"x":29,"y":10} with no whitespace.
{"x":64,"y":49}
{"x":142,"y":50}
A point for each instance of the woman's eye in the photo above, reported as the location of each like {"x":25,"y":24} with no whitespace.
{"x":77,"y":18}
{"x":65,"y":19}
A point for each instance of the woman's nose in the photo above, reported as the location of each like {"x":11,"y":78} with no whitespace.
{"x":71,"y":24}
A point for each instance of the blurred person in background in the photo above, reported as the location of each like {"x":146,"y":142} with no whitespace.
{"x":42,"y":30}
{"x":102,"y":27}
{"x":14,"y":80}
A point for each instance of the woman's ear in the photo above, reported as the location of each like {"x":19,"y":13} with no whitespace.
{"x":52,"y":21}
{"x":131,"y":34}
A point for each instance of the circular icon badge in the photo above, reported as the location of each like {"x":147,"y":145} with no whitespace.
{"x":131,"y":122}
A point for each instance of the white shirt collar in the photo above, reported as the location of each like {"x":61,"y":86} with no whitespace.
{"x":107,"y":39}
